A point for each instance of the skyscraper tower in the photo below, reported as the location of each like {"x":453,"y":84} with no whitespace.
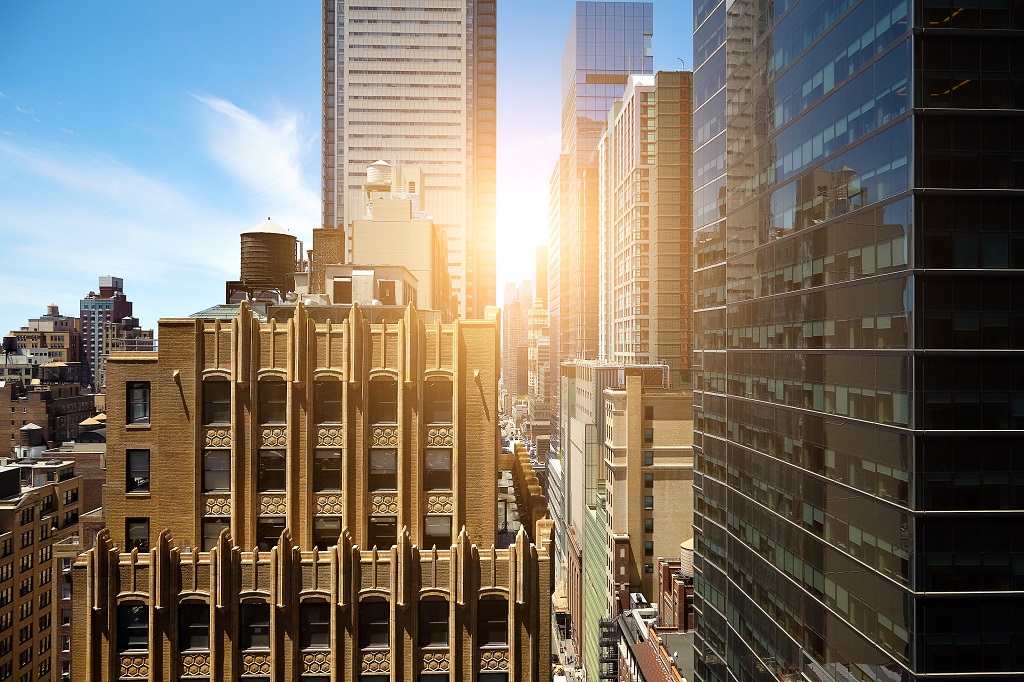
{"x":858,"y":199}
{"x":95,"y":311}
{"x":413,"y":81}
{"x":607,"y":42}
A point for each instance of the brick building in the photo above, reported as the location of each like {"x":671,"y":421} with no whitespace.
{"x":313,"y":496}
{"x":56,"y":409}
{"x":38,"y":507}
{"x":52,"y":336}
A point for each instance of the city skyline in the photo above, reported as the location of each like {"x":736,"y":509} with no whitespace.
{"x":213,"y":139}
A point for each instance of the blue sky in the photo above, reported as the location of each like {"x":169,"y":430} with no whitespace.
{"x":140,"y":139}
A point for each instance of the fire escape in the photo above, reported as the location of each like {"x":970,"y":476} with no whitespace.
{"x":608,"y":646}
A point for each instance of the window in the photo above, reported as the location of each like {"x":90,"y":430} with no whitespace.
{"x":271,"y":472}
{"x":383,"y":469}
{"x":492,"y":622}
{"x":273,"y":401}
{"x":254,"y":626}
{"x":383,"y":401}
{"x":193,"y":626}
{"x":27,"y":538}
{"x":648,"y":480}
{"x":65,"y":616}
{"x":132,"y":627}
{"x":138,"y":402}
{"x":648,"y":525}
{"x":327,"y":402}
{"x":648,"y":435}
{"x":314,"y":625}
{"x":212,"y":528}
{"x":136,"y":534}
{"x":374,"y":624}
{"x":216,"y":470}
{"x":648,"y":457}
{"x":437,"y":401}
{"x":137,"y":478}
{"x":216,"y":401}
{"x":326,"y":530}
{"x":648,"y":568}
{"x":648,"y":548}
{"x":268,"y":532}
{"x":437,"y":473}
{"x":433,"y":625}
{"x":648,"y":412}
{"x":649,"y":502}
{"x":326,"y":470}
{"x":383,"y":531}
{"x":437,"y":532}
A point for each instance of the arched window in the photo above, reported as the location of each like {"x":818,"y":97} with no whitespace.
{"x":374,"y":624}
{"x":433,"y":623}
{"x":193,"y":626}
{"x":314,"y":625}
{"x":132,"y":627}
{"x":492,"y":621}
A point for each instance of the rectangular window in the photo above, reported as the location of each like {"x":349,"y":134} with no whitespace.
{"x":648,"y":525}
{"x":132,"y":627}
{"x":492,"y":622}
{"x":268,"y":532}
{"x":212,"y":528}
{"x":648,"y":480}
{"x":137,"y":479}
{"x":138,"y":402}
{"x":383,"y":469}
{"x":649,"y":502}
{"x":314,"y":625}
{"x":374,"y":624}
{"x":648,"y":548}
{"x":65,"y":616}
{"x":216,"y":470}
{"x":437,"y":532}
{"x":648,"y":435}
{"x":216,"y":401}
{"x":326,"y":530}
{"x":327,"y":396}
{"x":437,"y":474}
{"x":273,"y":401}
{"x":437,"y":401}
{"x":382,"y":532}
{"x":271,"y":474}
{"x":254,"y":626}
{"x":136,"y":534}
{"x":383,"y":401}
{"x":648,"y":568}
{"x":193,"y":626}
{"x":648,"y":457}
{"x":326,"y":470}
{"x":433,"y":625}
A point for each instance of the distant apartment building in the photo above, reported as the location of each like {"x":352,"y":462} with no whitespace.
{"x":314,"y":497}
{"x":646,"y":177}
{"x":538,"y":358}
{"x":95,"y":311}
{"x":514,"y":318}
{"x":55,"y":410}
{"x":52,"y":336}
{"x":38,"y":508}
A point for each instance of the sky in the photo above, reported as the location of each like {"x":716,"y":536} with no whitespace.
{"x":141,"y":139}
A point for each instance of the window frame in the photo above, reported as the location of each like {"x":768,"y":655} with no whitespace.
{"x":138,"y":398}
{"x":133,"y":482}
{"x":373,"y":533}
{"x":192,"y":625}
{"x":252,"y":618}
{"x":210,"y":472}
{"x":210,"y":541}
{"x":490,"y":612}
{"x":215,"y":406}
{"x":433,"y":620}
{"x":136,"y":523}
{"x":378,"y":478}
{"x":314,"y":633}
{"x":132,"y":619}
{"x":438,"y":401}
{"x":432,"y":478}
{"x":271,"y":478}
{"x":441,"y":541}
{"x":327,"y":409}
{"x":327,"y":470}
{"x":374,"y":623}
{"x":272,"y":401}
{"x":382,"y":401}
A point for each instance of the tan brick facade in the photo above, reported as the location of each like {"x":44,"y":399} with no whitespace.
{"x":255,"y":467}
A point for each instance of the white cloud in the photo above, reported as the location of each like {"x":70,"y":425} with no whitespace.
{"x":266,"y":156}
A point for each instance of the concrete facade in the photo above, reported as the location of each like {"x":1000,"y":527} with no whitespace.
{"x":304,"y":469}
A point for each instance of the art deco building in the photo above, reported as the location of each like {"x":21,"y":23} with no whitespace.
{"x":313,"y":497}
{"x":858,"y":364}
{"x":646,"y":173}
{"x":607,"y":42}
{"x":414,"y":83}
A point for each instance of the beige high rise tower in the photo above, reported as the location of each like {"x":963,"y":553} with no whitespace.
{"x":413,"y":82}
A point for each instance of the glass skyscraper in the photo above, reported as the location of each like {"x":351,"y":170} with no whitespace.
{"x":859,"y":382}
{"x":413,"y":82}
